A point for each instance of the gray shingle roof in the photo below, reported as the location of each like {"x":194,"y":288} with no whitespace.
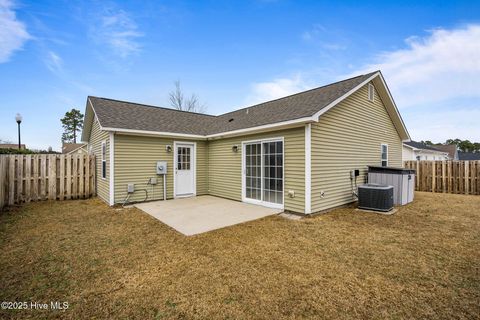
{"x":69,"y":147}
{"x":420,"y":145}
{"x":468,"y":156}
{"x":127,"y":115}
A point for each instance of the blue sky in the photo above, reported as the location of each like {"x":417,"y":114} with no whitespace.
{"x":53,"y":54}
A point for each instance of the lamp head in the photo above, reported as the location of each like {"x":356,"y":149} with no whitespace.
{"x":18,"y":118}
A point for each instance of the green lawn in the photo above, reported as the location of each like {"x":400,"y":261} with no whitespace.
{"x":422,"y":262}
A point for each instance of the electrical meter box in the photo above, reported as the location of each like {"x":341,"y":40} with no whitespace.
{"x":162,"y":167}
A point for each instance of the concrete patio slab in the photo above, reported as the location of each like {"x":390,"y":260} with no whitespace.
{"x":200,"y":214}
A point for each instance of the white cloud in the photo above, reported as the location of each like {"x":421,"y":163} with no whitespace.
{"x":118,"y":31}
{"x":439,"y":126}
{"x":325,"y":39}
{"x":54,"y":62}
{"x":313,"y":32}
{"x":443,"y":65}
{"x":277,"y":88}
{"x":13,"y":33}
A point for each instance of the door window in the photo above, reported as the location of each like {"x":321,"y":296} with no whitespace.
{"x":183,"y":158}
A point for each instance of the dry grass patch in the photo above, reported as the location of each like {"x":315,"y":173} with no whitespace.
{"x":422,"y":262}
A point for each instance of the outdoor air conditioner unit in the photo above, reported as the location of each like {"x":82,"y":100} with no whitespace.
{"x":375,"y":197}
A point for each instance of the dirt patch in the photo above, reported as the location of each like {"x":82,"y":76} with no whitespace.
{"x":422,"y":262}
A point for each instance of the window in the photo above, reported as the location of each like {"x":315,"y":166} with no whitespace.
{"x":104,"y":160}
{"x":183,"y":158}
{"x":384,"y":155}
{"x":371,"y":92}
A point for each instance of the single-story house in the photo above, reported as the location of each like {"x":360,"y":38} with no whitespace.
{"x":296,"y":153}
{"x":74,"y":148}
{"x":451,"y":149}
{"x":413,"y":150}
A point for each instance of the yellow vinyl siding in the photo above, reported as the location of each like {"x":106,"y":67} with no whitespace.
{"x":225,"y":166}
{"x":347,"y":137}
{"x":96,"y":138}
{"x":135,"y":162}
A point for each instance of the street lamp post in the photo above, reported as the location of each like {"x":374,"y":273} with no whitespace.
{"x":18,"y":118}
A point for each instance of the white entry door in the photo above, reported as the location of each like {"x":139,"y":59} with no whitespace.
{"x":184,"y":169}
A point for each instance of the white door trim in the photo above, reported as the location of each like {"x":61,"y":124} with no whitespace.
{"x":244,"y":172}
{"x":193,"y":166}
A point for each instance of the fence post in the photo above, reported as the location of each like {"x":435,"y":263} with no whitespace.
{"x":62,"y":177}
{"x":3,"y":181}
{"x":28,"y":177}
{"x":87,"y":175}
{"x":74,"y":176}
{"x":444,"y":178}
{"x":467,"y":174}
{"x":81,"y":190}
{"x":417,"y":181}
{"x":35,"y":178}
{"x":43,"y":176}
{"x":11,"y":180}
{"x":434,"y":182}
{"x":52,"y":179}
{"x":69,"y":176}
{"x":20,"y":178}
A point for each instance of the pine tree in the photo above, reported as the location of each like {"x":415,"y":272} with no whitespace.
{"x":72,"y":122}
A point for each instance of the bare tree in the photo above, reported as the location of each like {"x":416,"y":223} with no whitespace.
{"x":179,"y":102}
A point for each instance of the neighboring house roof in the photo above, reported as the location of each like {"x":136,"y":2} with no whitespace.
{"x":450,"y":148}
{"x":303,"y":107}
{"x":71,"y":147}
{"x":468,"y":156}
{"x":11,"y":146}
{"x":422,"y":146}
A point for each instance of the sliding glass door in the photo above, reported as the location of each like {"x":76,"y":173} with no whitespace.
{"x":263,"y":172}
{"x":253,"y":168}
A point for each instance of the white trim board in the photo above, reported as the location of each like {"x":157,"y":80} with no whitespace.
{"x":112,"y":169}
{"x":308,"y":168}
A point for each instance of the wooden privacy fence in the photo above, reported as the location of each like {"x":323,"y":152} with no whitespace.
{"x":446,"y":176}
{"x":25,"y":178}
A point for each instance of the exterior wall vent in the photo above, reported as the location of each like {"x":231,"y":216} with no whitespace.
{"x":371,"y":92}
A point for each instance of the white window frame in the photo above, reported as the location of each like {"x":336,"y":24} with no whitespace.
{"x":371,"y":92}
{"x":381,"y":154}
{"x":103,"y":152}
{"x":244,"y":172}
